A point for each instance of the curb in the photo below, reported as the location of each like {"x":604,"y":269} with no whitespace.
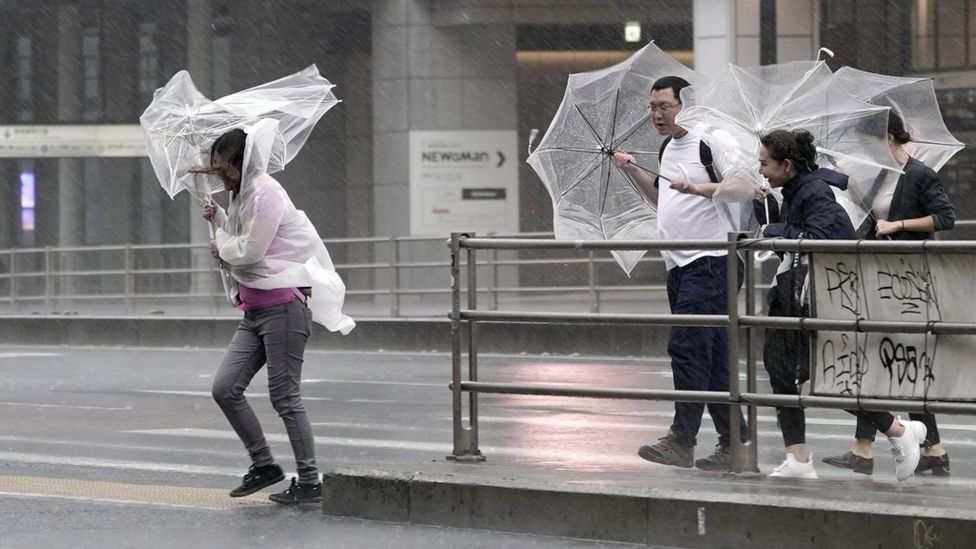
{"x":676,"y":517}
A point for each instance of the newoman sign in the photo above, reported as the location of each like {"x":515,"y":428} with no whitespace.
{"x":896,"y":287}
{"x":463,"y":181}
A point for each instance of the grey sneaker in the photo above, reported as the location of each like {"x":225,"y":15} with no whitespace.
{"x":668,"y":451}
{"x":721,"y":460}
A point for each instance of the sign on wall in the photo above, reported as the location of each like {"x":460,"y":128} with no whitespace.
{"x":82,"y":140}
{"x":896,"y":287}
{"x":463,"y":181}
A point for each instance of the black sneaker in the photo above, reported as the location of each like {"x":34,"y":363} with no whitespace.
{"x":298,"y":493}
{"x":721,"y":460}
{"x":258,"y":478}
{"x":668,"y":451}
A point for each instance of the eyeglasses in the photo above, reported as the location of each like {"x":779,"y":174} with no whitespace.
{"x":663,"y":109}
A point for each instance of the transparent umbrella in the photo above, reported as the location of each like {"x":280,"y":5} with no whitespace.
{"x":180,"y":124}
{"x":748,"y":102}
{"x":914,"y":99}
{"x":601,"y":111}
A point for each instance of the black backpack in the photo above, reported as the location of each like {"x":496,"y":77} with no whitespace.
{"x":704,"y":153}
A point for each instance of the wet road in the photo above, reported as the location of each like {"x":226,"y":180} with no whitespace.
{"x":124,"y":447}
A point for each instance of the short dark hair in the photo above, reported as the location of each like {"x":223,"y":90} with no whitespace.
{"x":793,"y":145}
{"x":896,"y":128}
{"x":675,"y":83}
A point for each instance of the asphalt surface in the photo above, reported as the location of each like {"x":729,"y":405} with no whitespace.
{"x":124,"y":447}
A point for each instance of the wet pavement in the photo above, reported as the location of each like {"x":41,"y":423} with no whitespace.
{"x":124,"y":447}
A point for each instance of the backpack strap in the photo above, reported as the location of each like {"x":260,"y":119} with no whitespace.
{"x":660,"y":155}
{"x":705,"y":154}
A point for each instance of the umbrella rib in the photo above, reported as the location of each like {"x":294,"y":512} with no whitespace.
{"x":580,"y":179}
{"x":569,"y":149}
{"x":613,"y":120}
{"x":605,"y":191}
{"x":590,"y":126}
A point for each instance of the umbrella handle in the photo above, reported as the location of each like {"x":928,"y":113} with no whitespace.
{"x":684,"y":176}
{"x":229,"y":293}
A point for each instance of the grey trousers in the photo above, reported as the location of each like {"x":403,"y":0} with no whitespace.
{"x":275,"y":336}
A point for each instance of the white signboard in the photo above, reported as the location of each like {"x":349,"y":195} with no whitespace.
{"x":87,"y":141}
{"x":463,"y":181}
{"x":899,"y":287}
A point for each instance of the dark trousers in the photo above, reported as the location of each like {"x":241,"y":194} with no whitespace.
{"x":275,"y":336}
{"x":699,"y":354}
{"x":786,"y":356}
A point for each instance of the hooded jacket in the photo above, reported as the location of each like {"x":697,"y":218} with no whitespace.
{"x":268,"y":243}
{"x":809,"y":208}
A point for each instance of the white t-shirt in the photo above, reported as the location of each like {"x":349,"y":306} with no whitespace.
{"x":682,"y":216}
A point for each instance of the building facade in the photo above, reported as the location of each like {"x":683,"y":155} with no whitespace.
{"x":400,"y":66}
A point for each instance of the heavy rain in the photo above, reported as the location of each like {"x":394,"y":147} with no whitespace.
{"x":492,"y":273}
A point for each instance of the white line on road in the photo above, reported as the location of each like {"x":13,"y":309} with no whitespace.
{"x":68,"y":406}
{"x":133,"y":465}
{"x":209,"y":395}
{"x":377,"y":382}
{"x":28,"y":355}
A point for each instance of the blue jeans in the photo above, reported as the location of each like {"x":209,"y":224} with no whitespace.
{"x":276,"y":336}
{"x":699,"y":354}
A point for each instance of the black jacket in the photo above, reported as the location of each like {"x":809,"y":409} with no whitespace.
{"x":809,"y":208}
{"x":919,"y":193}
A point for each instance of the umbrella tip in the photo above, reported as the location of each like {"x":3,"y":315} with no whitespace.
{"x":821,"y":51}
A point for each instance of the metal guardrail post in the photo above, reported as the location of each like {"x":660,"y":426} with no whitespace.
{"x":13,"y":280}
{"x":591,"y":284}
{"x":750,"y":285}
{"x":129,"y":279}
{"x":48,"y":290}
{"x":394,"y":277}
{"x":493,"y":292}
{"x":739,"y":461}
{"x":465,"y":440}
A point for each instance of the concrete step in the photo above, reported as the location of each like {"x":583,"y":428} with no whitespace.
{"x":663,"y":506}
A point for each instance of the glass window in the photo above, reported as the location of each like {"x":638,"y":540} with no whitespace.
{"x":24,"y":75}
{"x":148,"y":60}
{"x":91,"y":85}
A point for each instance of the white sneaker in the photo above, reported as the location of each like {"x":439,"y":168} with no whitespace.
{"x":791,"y":468}
{"x":905,"y":449}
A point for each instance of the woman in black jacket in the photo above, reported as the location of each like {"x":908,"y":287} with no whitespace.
{"x":786,"y":159}
{"x":914,"y":209}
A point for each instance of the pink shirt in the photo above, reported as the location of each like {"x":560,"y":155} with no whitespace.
{"x":255,"y":300}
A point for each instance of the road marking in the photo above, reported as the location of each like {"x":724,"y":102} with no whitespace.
{"x":28,"y":355}
{"x":103,"y":463}
{"x":208,"y":394}
{"x":375,"y":382}
{"x":116,"y":492}
{"x":67,"y":406}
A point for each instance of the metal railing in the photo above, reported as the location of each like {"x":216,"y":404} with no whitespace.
{"x":465,"y":321}
{"x":394,"y":276}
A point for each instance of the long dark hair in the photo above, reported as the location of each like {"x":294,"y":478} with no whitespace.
{"x":795,"y":146}
{"x":230,"y":147}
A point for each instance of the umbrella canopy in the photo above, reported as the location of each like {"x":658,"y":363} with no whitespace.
{"x":601,"y":111}
{"x":180,"y":125}
{"x":748,"y":102}
{"x":915,"y":102}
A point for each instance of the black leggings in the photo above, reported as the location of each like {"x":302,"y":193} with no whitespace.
{"x":786,"y":355}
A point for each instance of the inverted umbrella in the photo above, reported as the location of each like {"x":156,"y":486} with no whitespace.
{"x":748,"y":102}
{"x":601,"y":111}
{"x":180,"y":125}
{"x":914,"y":100}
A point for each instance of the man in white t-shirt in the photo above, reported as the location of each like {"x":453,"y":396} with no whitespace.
{"x":696,"y":278}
